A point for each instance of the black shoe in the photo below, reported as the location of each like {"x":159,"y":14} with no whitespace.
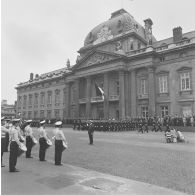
{"x":60,"y":164}
{"x":2,"y":165}
{"x":15,"y":170}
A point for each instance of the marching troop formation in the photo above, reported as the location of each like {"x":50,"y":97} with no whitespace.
{"x":22,"y":139}
{"x":142,"y":124}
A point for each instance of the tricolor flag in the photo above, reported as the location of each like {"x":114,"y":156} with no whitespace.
{"x":99,"y":91}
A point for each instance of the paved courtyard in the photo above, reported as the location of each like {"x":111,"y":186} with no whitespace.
{"x":144,"y":158}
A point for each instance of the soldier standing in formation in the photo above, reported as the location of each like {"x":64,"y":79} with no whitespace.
{"x":59,"y":139}
{"x":7,"y":136}
{"x":14,"y":146}
{"x":42,"y":141}
{"x":3,"y":138}
{"x":29,"y":139}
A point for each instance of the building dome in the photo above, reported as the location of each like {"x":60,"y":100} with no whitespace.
{"x":119,"y":23}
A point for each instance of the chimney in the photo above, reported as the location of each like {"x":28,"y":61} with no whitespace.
{"x":177,"y":34}
{"x":31,"y":76}
{"x":36,"y":76}
{"x":68,"y":64}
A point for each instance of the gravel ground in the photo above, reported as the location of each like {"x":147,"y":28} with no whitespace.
{"x":142,"y":157}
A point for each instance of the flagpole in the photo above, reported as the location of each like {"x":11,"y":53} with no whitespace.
{"x":122,"y":3}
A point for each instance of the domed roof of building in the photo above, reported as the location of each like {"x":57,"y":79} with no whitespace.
{"x":120,"y":22}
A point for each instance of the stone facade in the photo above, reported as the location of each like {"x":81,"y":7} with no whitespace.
{"x":139,"y":76}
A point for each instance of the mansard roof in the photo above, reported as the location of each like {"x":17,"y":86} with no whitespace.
{"x":46,"y":76}
{"x":168,"y":41}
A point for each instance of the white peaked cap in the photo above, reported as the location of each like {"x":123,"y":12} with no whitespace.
{"x":58,"y":123}
{"x":29,"y":121}
{"x":42,"y":122}
{"x":16,"y":120}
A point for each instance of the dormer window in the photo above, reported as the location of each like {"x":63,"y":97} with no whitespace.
{"x":131,"y":46}
{"x":138,"y":45}
{"x":162,"y":58}
{"x":119,"y":24}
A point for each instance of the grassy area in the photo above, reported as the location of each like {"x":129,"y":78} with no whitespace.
{"x":142,"y":157}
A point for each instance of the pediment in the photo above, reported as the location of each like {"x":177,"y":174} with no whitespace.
{"x":184,"y":68}
{"x":95,"y":58}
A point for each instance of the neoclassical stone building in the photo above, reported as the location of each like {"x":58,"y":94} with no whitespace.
{"x":140,"y":76}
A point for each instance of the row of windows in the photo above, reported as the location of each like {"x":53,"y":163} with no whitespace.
{"x":185,"y":83}
{"x":42,"y":99}
{"x":43,"y":114}
{"x":164,"y":111}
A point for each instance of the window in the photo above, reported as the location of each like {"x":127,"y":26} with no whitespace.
{"x":117,"y":87}
{"x":57,"y":97}
{"x":138,"y":45}
{"x":144,"y":110}
{"x":64,"y":113}
{"x":30,"y":100}
{"x":49,"y":98}
{"x":73,"y":92}
{"x":64,"y":96}
{"x":49,"y":114}
{"x":36,"y":99}
{"x":42,"y":99}
{"x":35,"y":114}
{"x":57,"y":114}
{"x":19,"y":101}
{"x":131,"y":46}
{"x":24,"y":114}
{"x":42,"y":114}
{"x":185,"y":81}
{"x":187,"y":111}
{"x":143,"y":86}
{"x":25,"y":99}
{"x":30,"y":114}
{"x":163,"y":84}
{"x":162,"y":59}
{"x":164,"y":111}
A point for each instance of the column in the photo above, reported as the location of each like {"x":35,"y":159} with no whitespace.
{"x":173,"y":93}
{"x":133,"y":94}
{"x":76,"y":98}
{"x":88,"y":97}
{"x":151,"y":91}
{"x":67,"y":103}
{"x":127,"y":95}
{"x":106,"y":96}
{"x":121,"y":94}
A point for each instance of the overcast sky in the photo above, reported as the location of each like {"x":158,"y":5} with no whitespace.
{"x":40,"y":35}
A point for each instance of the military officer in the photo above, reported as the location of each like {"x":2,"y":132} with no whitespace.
{"x":90,"y":132}
{"x":14,"y":146}
{"x":6,"y":135}
{"x":59,"y":139}
{"x":42,"y":141}
{"x":29,"y":138}
{"x":3,"y":138}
